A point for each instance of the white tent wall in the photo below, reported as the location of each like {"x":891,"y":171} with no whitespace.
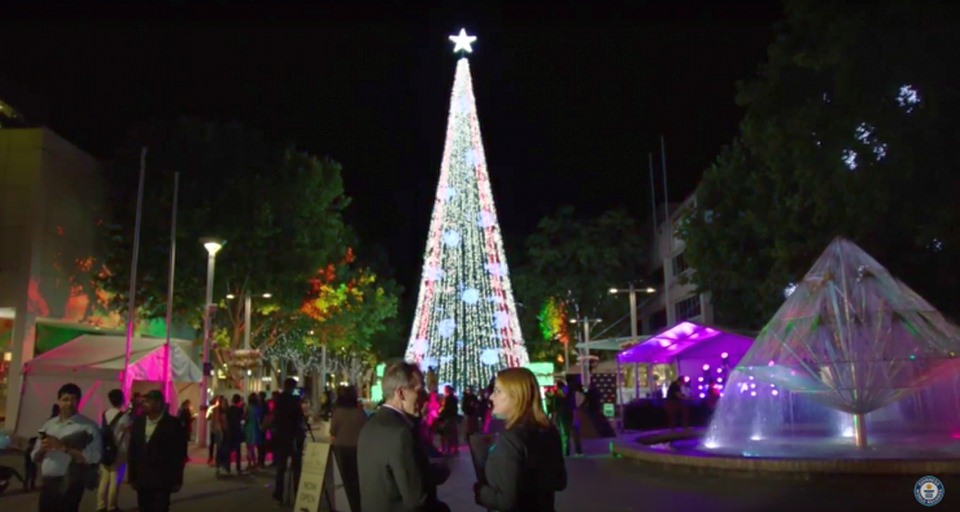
{"x":95,"y":363}
{"x":40,"y":394}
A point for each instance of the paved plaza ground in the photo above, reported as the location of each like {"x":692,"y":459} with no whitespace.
{"x":598,"y":483}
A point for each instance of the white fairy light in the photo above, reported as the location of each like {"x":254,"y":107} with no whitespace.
{"x":908,"y":97}
{"x":468,"y":326}
{"x":849,"y":158}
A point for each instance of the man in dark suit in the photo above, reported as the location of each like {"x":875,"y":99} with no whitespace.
{"x":288,"y":435}
{"x":394,"y":469}
{"x":158,"y":452}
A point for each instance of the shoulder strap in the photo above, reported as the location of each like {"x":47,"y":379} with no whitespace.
{"x":115,"y":420}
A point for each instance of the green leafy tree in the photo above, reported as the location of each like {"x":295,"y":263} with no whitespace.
{"x":351,"y":308}
{"x":849,"y":130}
{"x":571,"y":263}
{"x":279,"y":211}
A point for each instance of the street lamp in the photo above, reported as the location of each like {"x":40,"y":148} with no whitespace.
{"x":632,"y":291}
{"x":213,"y":246}
{"x":247,"y":320}
{"x":247,"y":311}
{"x":587,"y":323}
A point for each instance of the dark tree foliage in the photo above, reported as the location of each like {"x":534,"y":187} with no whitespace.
{"x":577,"y":260}
{"x":278,"y":210}
{"x":850,"y":129}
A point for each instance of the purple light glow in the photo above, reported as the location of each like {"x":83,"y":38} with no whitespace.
{"x":687,"y":340}
{"x":702,"y":396}
{"x":706,"y":367}
{"x":724,"y":355}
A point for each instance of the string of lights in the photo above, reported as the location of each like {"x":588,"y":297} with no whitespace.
{"x":466,"y":325}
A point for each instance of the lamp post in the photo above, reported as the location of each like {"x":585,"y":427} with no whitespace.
{"x":247,"y":321}
{"x":212,"y":245}
{"x":632,"y":291}
{"x":585,"y":370}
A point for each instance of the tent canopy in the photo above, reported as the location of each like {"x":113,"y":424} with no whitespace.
{"x":95,"y":363}
{"x":105,"y":356}
{"x":687,"y":340}
{"x":614,"y":344}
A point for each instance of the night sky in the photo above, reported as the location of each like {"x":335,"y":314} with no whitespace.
{"x":570,"y":99}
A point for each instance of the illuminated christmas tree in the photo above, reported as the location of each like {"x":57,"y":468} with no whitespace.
{"x":466,"y":320}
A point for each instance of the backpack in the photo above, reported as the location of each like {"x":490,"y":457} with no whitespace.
{"x":110,"y":447}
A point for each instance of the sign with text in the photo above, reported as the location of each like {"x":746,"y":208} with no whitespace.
{"x":313,"y":475}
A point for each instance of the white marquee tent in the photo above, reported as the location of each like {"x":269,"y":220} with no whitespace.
{"x":95,"y":363}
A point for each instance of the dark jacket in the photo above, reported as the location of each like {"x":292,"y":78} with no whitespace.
{"x":157,"y":464}
{"x":524,"y":470}
{"x":450,"y":409}
{"x":288,"y":420}
{"x":393,"y":466}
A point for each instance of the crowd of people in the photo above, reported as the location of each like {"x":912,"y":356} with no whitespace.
{"x":73,"y":453}
{"x":384,"y":457}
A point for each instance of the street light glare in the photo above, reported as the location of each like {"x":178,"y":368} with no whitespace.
{"x":212,"y":245}
{"x":614,"y":290}
{"x":573,"y":320}
{"x":231,"y":296}
{"x":651,"y":290}
{"x":267,"y":295}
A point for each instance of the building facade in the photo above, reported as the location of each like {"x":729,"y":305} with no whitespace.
{"x":50,"y":192}
{"x":676,"y":299}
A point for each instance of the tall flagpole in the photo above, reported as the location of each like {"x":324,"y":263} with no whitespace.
{"x":132,"y":296}
{"x":668,"y":226}
{"x":168,"y":347}
{"x":653,"y":205}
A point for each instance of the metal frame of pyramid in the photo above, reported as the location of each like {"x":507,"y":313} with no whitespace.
{"x":854,"y":338}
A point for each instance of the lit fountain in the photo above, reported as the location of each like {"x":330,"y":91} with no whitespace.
{"x":853,"y":365}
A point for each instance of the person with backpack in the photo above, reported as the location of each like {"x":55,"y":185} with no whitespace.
{"x":114,"y":430}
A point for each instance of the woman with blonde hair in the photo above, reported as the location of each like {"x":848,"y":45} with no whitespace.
{"x":525,"y":466}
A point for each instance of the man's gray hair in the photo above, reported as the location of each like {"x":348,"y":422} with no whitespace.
{"x":399,"y":375}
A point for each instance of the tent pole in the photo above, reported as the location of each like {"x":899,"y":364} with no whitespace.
{"x":636,"y":381}
{"x":619,"y":410}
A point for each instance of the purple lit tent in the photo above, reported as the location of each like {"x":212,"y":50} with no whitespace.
{"x":690,"y":346}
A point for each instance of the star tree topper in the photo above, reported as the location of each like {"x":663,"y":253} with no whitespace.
{"x":462,"y":42}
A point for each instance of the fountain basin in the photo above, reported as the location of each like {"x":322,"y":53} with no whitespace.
{"x":681,"y":450}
